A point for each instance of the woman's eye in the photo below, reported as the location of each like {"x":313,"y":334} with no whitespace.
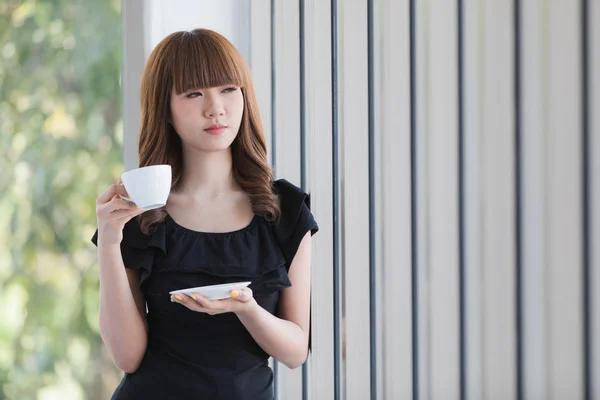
{"x":193,"y":95}
{"x":230,"y":89}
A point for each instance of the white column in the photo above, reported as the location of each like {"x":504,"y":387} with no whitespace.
{"x":534,"y":202}
{"x":563,"y":191}
{"x":497,"y":171}
{"x":287,"y":132}
{"x":260,"y":61}
{"x":440,"y":138}
{"x":287,"y":90}
{"x":594,"y":113}
{"x":134,"y":58}
{"x":393,"y":169}
{"x":318,"y":127}
{"x":354,"y":153}
{"x":421,"y":76}
{"x":472,"y":114}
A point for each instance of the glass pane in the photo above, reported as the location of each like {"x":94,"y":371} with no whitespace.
{"x":60,"y":146}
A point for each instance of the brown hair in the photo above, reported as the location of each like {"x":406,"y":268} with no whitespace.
{"x":201,"y":59}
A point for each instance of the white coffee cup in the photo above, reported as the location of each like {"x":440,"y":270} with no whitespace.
{"x":148,"y":187}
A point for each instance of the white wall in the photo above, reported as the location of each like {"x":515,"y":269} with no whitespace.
{"x":228,"y":17}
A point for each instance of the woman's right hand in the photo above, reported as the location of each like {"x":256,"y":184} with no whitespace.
{"x":113,"y":213}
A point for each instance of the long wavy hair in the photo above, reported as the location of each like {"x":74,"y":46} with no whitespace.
{"x":202,"y":59}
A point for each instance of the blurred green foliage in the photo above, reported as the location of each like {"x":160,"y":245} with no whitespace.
{"x":60,"y":146}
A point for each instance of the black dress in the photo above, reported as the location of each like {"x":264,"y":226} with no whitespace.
{"x":194,"y":355}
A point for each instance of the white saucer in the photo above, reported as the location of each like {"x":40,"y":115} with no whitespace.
{"x":214,"y":292}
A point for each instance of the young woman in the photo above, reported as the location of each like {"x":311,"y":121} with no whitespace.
{"x":226,"y":220}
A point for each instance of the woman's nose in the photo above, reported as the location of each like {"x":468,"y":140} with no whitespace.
{"x":214,"y":109}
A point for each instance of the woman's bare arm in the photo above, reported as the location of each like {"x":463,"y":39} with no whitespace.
{"x":122,"y":306}
{"x":286,"y":338}
{"x":123,"y":324}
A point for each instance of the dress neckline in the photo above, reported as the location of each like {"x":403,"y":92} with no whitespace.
{"x":171,"y":222}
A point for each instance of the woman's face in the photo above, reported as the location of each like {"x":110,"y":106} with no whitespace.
{"x":207,"y":119}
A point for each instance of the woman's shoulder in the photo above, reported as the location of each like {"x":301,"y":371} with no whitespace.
{"x":292,"y":199}
{"x":294,"y":202}
{"x":296,"y":217}
{"x":287,"y":191}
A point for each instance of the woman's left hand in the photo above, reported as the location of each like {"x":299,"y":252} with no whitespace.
{"x":240,"y":301}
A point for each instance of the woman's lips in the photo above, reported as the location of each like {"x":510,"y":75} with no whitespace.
{"x":216,"y":130}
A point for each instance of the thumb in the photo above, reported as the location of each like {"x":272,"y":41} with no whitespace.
{"x":244,"y":295}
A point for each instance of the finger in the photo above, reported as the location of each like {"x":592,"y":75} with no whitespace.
{"x":107,"y":195}
{"x":117,"y":204}
{"x":190,"y":303}
{"x":204,"y":302}
{"x":183,"y":299}
{"x":211,"y":307}
{"x":126,"y":214}
{"x":121,"y":191}
{"x":244,"y":295}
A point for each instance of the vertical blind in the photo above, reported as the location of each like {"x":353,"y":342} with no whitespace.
{"x":452,"y":153}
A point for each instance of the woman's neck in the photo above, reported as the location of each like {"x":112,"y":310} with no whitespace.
{"x":207,"y":173}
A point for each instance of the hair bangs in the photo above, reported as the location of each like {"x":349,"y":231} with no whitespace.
{"x":203,"y":60}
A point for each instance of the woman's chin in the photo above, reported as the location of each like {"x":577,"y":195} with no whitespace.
{"x":208,"y":143}
{"x":209,"y":147}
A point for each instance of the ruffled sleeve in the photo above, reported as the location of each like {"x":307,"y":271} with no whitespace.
{"x":138,"y":250}
{"x":296,"y":218}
